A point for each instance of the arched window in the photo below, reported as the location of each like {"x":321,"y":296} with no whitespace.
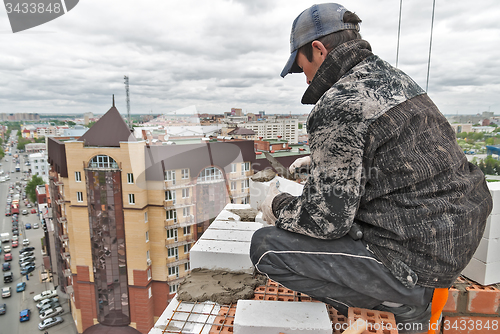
{"x":102,"y":161}
{"x":210,"y":174}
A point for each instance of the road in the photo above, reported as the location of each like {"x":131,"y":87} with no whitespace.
{"x":9,"y":322}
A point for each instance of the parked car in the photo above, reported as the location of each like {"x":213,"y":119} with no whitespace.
{"x":15,"y":244}
{"x":29,"y":205}
{"x":26,"y":242}
{"x":49,"y":305}
{"x":16,"y":232}
{"x":27,"y":226}
{"x":49,"y":322}
{"x":27,"y":249}
{"x":47,"y":302}
{"x":7,"y":257}
{"x":44,"y":295}
{"x":25,"y":212}
{"x":3,"y":308}
{"x":20,"y":287}
{"x":6,"y":291}
{"x":25,"y":254}
{"x":6,"y":266}
{"x":7,"y":249}
{"x":27,"y":270}
{"x":24,"y":315}
{"x":51,"y":312}
{"x":35,"y":225}
{"x":26,"y":264}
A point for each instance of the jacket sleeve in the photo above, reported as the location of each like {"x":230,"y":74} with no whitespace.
{"x":331,"y":195}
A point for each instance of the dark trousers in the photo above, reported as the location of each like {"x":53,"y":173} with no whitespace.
{"x":343,"y":273}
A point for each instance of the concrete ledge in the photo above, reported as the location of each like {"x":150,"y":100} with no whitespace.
{"x":271,"y":317}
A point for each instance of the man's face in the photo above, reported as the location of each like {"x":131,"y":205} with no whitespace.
{"x":311,"y":67}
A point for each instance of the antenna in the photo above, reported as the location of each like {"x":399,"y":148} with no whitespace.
{"x":128,"y":101}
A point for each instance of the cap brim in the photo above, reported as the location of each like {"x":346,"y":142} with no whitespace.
{"x":291,"y":66}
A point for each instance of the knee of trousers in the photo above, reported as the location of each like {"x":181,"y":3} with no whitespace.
{"x":260,"y":243}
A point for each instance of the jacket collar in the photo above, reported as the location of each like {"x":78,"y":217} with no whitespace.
{"x":337,"y":63}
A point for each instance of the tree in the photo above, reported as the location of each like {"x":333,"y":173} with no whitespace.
{"x":21,"y":143}
{"x":40,"y":139}
{"x":31,"y":187}
{"x":2,"y":153}
{"x":71,"y":123}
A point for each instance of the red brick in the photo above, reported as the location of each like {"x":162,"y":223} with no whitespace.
{"x":470,"y":325}
{"x":452,"y":302}
{"x":483,"y":299}
{"x":377,"y":322}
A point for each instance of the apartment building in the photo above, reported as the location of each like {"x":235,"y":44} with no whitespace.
{"x":285,"y":128}
{"x":125,"y":215}
{"x":39,"y":165}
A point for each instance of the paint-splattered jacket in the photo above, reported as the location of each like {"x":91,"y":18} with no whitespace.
{"x":384,"y":156}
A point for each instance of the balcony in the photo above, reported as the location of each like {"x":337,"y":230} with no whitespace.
{"x":67,"y":273}
{"x":66,"y":255}
{"x":178,"y":203}
{"x":64,"y":238}
{"x":177,"y":262}
{"x":59,"y":201}
{"x":177,"y":243}
{"x":178,"y":184}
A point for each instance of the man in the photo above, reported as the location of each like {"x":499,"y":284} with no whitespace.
{"x":382,"y":157}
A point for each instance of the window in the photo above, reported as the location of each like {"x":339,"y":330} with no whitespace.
{"x":170,"y":196}
{"x":210,"y":174}
{"x":147,"y":255}
{"x":150,"y":293}
{"x":233,"y":185}
{"x":186,"y":211}
{"x":170,"y":176}
{"x":130,"y":178}
{"x":233,"y":168}
{"x":147,"y":236}
{"x":145,"y":217}
{"x":173,"y":271}
{"x":185,"y":173}
{"x":102,"y":161}
{"x":187,"y":266}
{"x":187,"y":230}
{"x":173,"y":252}
{"x":78,"y":177}
{"x":245,"y":184}
{"x":173,"y":288}
{"x":149,"y":274}
{"x":186,"y":248}
{"x":185,"y":192}
{"x":131,"y":199}
{"x":79,"y":196}
{"x":245,"y":167}
{"x":172,"y":215}
{"x":172,"y":234}
{"x":245,"y":200}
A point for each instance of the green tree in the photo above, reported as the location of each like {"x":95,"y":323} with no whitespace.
{"x":21,"y":143}
{"x":31,"y":187}
{"x":40,"y":139}
{"x":71,"y":123}
{"x":90,"y":124}
{"x":2,"y":153}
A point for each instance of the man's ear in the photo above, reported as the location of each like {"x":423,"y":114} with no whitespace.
{"x":319,"y":49}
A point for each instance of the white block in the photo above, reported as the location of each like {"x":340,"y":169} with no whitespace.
{"x":227,"y":235}
{"x":259,"y":190}
{"x":238,"y":226}
{"x":237,"y":206}
{"x":273,"y":317}
{"x":221,"y":254}
{"x":492,"y":230}
{"x":494,"y":188}
{"x":227,"y":215}
{"x":488,"y":250}
{"x":482,"y":273}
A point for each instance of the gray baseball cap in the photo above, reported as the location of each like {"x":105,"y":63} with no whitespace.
{"x":313,"y":23}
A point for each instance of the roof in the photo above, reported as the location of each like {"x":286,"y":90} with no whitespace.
{"x":242,"y":131}
{"x":108,"y":131}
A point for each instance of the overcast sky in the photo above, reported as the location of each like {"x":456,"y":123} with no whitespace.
{"x":219,"y":54}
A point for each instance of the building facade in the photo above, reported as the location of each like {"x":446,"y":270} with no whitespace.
{"x":285,"y":128}
{"x":125,"y":215}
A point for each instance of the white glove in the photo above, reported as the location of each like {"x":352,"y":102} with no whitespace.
{"x":267,"y":205}
{"x":300,"y":162}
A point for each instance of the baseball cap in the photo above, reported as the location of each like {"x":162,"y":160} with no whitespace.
{"x":313,"y":23}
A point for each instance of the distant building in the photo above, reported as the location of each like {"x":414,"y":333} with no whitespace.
{"x":39,"y":165}
{"x":287,"y":128}
{"x":459,"y":128}
{"x":35,"y":147}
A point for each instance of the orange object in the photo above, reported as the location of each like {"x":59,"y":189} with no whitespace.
{"x":438,"y":301}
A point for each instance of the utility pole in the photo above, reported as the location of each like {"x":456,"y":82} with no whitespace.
{"x":128,"y":102}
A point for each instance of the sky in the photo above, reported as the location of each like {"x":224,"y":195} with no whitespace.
{"x":222,"y":54}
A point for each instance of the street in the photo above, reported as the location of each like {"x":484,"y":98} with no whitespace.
{"x":9,"y":322}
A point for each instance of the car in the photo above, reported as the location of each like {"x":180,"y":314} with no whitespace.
{"x":44,"y":295}
{"x":28,"y":205}
{"x":25,"y":212}
{"x":26,"y":242}
{"x":35,"y":225}
{"x":49,"y":305}
{"x":16,"y":232}
{"x":15,"y":228}
{"x":20,"y":287}
{"x":27,"y":226}
{"x":3,"y":308}
{"x":27,"y":249}
{"x":25,"y":254}
{"x":24,"y":315}
{"x":47,"y":301}
{"x":33,"y":210}
{"x":27,"y":270}
{"x":49,"y":322}
{"x":7,"y":257}
{"x":26,"y":264}
{"x":15,"y":244}
{"x":24,"y":258}
{"x":7,"y":249}
{"x":6,"y":291}
{"x":5,"y":266}
{"x":51,"y":312}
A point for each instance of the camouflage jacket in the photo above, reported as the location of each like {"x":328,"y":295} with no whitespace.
{"x":384,"y":156}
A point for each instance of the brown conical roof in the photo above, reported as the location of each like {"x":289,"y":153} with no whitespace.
{"x":108,"y":131}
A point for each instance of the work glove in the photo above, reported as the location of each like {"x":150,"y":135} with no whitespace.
{"x":298,"y":163}
{"x":266,"y":207}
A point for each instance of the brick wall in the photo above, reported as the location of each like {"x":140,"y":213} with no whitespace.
{"x":472,"y":309}
{"x":85,"y":296}
{"x":141,"y":305}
